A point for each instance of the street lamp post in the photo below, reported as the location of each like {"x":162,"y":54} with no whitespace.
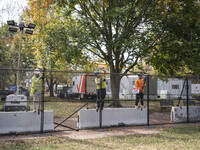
{"x":13,"y":28}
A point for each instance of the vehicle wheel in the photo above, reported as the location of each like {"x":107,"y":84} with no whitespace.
{"x":3,"y":108}
{"x":28,"y":108}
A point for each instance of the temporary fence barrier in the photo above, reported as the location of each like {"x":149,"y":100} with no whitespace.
{"x":67,"y":94}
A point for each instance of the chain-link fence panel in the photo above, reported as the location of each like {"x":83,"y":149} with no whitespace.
{"x":174,"y":99}
{"x":66,"y":93}
{"x":63,"y":94}
{"x":9,"y":86}
{"x":195,"y":90}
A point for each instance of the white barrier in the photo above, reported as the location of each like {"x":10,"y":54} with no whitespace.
{"x":24,"y":122}
{"x":89,"y":118}
{"x":179,"y":114}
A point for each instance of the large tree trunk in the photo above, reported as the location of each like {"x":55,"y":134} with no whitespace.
{"x":56,"y":89}
{"x":115,"y":87}
{"x":51,"y":86}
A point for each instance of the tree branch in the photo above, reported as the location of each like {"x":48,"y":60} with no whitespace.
{"x":95,"y":9}
{"x":135,"y":63}
{"x":83,"y":6}
{"x":94,"y":52}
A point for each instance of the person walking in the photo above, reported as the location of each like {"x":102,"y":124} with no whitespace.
{"x":101,"y":89}
{"x":36,"y":89}
{"x":140,"y":83}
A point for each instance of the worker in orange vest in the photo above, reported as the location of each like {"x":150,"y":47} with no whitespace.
{"x":140,"y":83}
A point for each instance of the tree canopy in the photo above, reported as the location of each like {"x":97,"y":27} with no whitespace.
{"x":122,"y":32}
{"x":52,"y":46}
{"x":178,"y":50}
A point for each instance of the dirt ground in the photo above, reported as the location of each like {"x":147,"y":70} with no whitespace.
{"x":162,"y":121}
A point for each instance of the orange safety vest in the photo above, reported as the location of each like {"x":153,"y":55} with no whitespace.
{"x":140,"y":83}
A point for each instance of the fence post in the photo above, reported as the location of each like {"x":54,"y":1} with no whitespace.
{"x":148,"y":100}
{"x":42,"y":103}
{"x":100,"y":116}
{"x":100,"y":106}
{"x":187,"y":88}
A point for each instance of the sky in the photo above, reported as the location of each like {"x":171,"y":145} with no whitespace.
{"x":11,"y":9}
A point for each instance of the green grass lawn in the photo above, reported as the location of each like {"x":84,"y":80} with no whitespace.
{"x":170,"y":138}
{"x":64,"y":108}
{"x":182,"y":138}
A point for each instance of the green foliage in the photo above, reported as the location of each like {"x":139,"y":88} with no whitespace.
{"x":124,"y":33}
{"x":163,"y":33}
{"x":9,"y":49}
{"x":52,"y":46}
{"x":59,"y":47}
{"x":178,"y":49}
{"x":111,"y":30}
{"x":4,"y":47}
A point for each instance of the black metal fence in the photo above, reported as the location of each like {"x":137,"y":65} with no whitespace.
{"x":67,"y":92}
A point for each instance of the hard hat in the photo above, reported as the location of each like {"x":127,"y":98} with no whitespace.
{"x":139,"y":74}
{"x":37,"y":71}
{"x":96,"y":72}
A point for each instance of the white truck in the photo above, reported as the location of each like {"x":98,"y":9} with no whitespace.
{"x":83,"y":87}
{"x":127,"y":84}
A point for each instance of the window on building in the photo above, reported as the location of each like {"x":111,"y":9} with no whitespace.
{"x":175,"y":86}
